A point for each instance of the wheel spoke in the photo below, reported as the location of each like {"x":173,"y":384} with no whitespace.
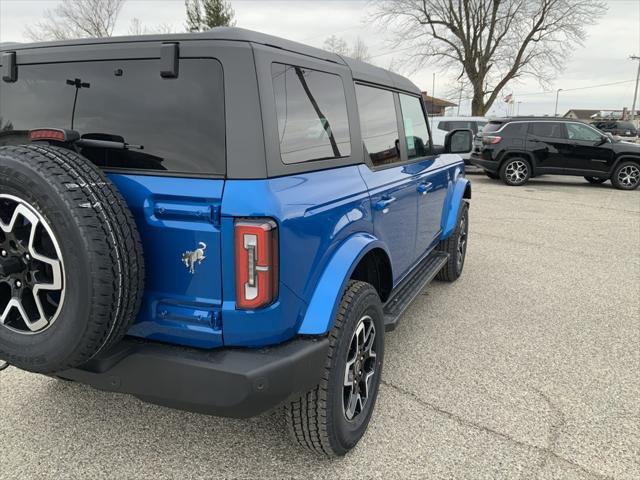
{"x":25,"y":310}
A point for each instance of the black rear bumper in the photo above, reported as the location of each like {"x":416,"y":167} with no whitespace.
{"x":488,"y":165}
{"x":228,"y":382}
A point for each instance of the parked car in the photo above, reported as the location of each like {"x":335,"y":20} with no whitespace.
{"x":616,"y":127}
{"x":517,"y":149}
{"x":441,"y":126}
{"x":220,"y":222}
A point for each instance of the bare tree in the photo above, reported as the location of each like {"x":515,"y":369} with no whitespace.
{"x":77,"y":19}
{"x":339,"y":45}
{"x":491,"y":42}
{"x":136,"y":27}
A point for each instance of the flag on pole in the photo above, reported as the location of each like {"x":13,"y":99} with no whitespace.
{"x":508,"y":98}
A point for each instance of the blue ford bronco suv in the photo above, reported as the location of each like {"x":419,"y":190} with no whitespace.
{"x":221,"y":222}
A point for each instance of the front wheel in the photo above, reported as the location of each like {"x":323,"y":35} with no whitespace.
{"x":333,"y":417}
{"x":626,"y":176}
{"x":456,"y":247}
{"x":515,"y":171}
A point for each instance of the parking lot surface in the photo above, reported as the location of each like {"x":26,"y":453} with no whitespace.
{"x":527,"y":367}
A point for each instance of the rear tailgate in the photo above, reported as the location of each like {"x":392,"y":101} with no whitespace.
{"x":179,"y":222}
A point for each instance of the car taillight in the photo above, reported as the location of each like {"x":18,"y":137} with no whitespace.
{"x":491,"y":139}
{"x":256,"y":245}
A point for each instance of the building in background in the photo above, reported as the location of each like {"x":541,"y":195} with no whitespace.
{"x":436,"y":106}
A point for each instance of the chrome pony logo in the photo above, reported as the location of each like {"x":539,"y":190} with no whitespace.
{"x":190,"y":259}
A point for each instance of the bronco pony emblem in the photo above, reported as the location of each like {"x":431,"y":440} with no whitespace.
{"x":191,"y":258}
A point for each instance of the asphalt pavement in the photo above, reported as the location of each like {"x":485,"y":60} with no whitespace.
{"x":528,"y":367}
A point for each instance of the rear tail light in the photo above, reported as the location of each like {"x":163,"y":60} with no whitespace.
{"x":491,"y":139}
{"x":256,"y":245}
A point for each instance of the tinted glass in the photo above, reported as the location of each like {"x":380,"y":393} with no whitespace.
{"x":378,"y":124}
{"x":515,"y":129}
{"x":547,"y":129}
{"x":627,"y":125}
{"x":179,"y":121}
{"x":480,"y":125}
{"x":575,"y":131}
{"x":415,"y":126}
{"x":491,"y":127}
{"x":312,"y":117}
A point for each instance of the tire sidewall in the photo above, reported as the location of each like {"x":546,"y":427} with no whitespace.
{"x":62,"y":338}
{"x":614,"y":178}
{"x":509,"y":161}
{"x":345,"y":434}
{"x":464,"y":214}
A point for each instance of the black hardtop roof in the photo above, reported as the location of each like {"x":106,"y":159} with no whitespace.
{"x":534,"y":118}
{"x":360,"y":70}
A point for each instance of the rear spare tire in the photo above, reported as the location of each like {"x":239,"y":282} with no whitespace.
{"x":71,"y":265}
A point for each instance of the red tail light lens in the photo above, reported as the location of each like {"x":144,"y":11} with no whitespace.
{"x":47,"y":134}
{"x":256,"y":244}
{"x":491,"y":139}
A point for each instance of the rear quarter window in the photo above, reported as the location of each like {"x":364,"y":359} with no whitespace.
{"x":311,"y":110}
{"x":179,"y":122}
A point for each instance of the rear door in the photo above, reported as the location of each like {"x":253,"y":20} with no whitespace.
{"x":171,"y":175}
{"x":392,"y":185}
{"x":587,"y":151}
{"x":432,"y":181}
{"x":549,"y":145}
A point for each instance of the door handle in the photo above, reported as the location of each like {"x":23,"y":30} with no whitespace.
{"x":424,"y":188}
{"x":383,"y":205}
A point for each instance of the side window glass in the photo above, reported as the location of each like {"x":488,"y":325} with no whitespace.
{"x":311,"y":110}
{"x":576,"y":131}
{"x":378,"y":124}
{"x":443,"y":126}
{"x":415,"y":126}
{"x":547,"y":129}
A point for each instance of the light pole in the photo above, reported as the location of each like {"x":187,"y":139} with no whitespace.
{"x":555,"y":113}
{"x":635,"y":91}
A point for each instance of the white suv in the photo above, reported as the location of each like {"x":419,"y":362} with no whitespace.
{"x":440,"y":126}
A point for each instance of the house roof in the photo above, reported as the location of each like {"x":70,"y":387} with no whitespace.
{"x":581,"y":113}
{"x":438,"y":102}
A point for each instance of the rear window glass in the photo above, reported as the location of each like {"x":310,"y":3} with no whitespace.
{"x":547,"y":129}
{"x":311,"y":109}
{"x":492,"y":127}
{"x":179,"y":122}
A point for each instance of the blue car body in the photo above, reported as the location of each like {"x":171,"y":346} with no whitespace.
{"x":219,"y":124}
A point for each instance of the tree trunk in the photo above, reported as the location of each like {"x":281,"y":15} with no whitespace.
{"x":478,"y":108}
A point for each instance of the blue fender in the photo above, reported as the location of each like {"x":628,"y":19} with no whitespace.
{"x":452,"y":205}
{"x":318,"y":318}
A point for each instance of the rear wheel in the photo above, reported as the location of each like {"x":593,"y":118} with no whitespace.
{"x":71,"y":267}
{"x":515,"y":171}
{"x":626,"y":176}
{"x":595,"y":180}
{"x":333,"y":417}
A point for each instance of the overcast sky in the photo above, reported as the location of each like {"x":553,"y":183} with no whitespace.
{"x":604,"y":58}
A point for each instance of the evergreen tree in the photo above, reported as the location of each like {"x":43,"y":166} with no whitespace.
{"x":203,"y":15}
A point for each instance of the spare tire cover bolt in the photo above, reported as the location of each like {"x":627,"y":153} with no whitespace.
{"x":3,"y":253}
{"x":18,"y":284}
{"x":27,"y":256}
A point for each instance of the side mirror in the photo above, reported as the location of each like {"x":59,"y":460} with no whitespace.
{"x":458,"y":141}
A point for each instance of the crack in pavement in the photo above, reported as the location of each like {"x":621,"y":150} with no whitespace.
{"x":556,"y":425}
{"x":546,"y":451}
